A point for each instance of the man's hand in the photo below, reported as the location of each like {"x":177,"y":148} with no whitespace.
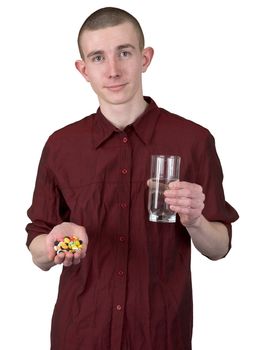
{"x":57,"y":234}
{"x":186,"y":199}
{"x":42,"y":246}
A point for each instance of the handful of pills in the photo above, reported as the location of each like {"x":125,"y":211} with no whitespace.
{"x":68,"y":244}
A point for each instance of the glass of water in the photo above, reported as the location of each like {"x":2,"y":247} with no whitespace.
{"x":164,"y":169}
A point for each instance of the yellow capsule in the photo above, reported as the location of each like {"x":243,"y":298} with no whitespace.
{"x":77,"y":243}
{"x":66,"y":240}
{"x":63,"y":245}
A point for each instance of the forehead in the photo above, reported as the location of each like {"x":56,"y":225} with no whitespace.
{"x":109,"y":38}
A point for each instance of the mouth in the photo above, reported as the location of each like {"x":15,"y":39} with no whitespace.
{"x":116,"y":87}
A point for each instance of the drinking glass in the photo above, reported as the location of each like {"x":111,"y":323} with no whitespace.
{"x":164,"y":169}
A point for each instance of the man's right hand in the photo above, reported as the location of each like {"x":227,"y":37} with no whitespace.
{"x":57,"y":234}
{"x":42,"y":247}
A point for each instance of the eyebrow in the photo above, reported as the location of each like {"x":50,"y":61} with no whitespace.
{"x":95,"y":53}
{"x":126,"y":46}
{"x":101,"y":52}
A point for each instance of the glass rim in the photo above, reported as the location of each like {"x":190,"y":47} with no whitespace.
{"x":166,"y":156}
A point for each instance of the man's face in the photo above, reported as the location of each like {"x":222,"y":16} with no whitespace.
{"x":113,"y":63}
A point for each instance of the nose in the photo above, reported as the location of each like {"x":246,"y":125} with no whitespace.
{"x":114,"y":68}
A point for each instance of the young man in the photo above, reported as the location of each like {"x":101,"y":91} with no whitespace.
{"x":130,"y":286}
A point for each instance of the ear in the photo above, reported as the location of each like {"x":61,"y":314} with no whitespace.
{"x":147,"y":55}
{"x":81,"y":67}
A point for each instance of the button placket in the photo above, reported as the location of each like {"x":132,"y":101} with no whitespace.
{"x":122,"y":235}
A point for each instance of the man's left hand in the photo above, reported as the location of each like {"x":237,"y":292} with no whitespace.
{"x":187,"y":200}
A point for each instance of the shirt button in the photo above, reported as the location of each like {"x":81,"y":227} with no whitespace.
{"x":119,"y":307}
{"x":125,"y":139}
{"x":124,"y":171}
{"x":120,"y":273}
{"x":122,"y":238}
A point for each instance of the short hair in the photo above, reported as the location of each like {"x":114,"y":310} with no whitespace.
{"x":109,"y":17}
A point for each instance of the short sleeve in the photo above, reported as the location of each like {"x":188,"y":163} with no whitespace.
{"x":210,"y":177}
{"x":48,"y":205}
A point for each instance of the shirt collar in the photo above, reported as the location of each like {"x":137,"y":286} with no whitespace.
{"x":102,"y":129}
{"x":144,"y":126}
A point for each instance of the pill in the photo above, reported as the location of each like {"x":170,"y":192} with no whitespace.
{"x":68,"y":244}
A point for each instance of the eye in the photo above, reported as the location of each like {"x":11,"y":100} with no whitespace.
{"x":125,"y":54}
{"x":97,"y":58}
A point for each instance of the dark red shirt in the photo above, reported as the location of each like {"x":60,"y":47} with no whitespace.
{"x":133,"y":290}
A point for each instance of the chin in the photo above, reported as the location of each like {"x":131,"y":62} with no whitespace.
{"x":117,"y":100}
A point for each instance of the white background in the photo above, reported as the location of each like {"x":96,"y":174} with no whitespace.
{"x":203,"y":69}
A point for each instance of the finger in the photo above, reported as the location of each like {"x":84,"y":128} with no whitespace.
{"x":83,"y":250}
{"x":80,"y":254}
{"x":185,"y":185}
{"x":175,"y":185}
{"x":185,"y":202}
{"x":69,"y":257}
{"x":175,"y":193}
{"x":157,"y":185}
{"x":74,"y":258}
{"x":59,"y":258}
{"x":50,"y":249}
{"x":77,"y":257}
{"x":185,"y":193}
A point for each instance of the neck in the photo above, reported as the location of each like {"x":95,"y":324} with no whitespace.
{"x":121,"y":115}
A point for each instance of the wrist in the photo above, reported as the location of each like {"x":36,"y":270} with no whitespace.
{"x":40,"y":254}
{"x":195,"y":224}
